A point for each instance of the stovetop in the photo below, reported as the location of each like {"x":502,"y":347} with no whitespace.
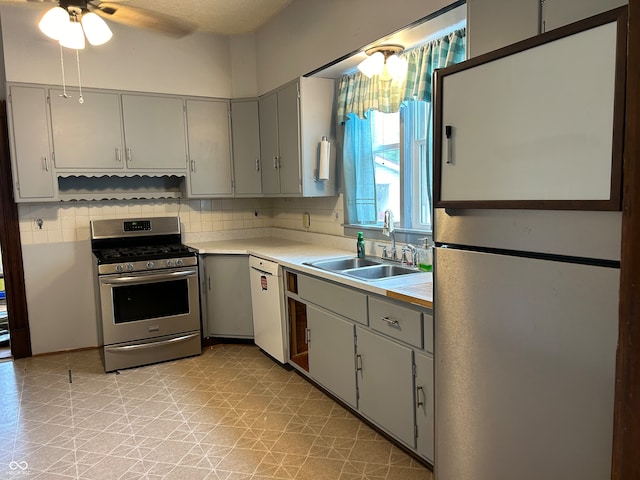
{"x":143,"y":252}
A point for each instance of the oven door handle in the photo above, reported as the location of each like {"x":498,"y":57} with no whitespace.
{"x":147,"y":278}
{"x":141,"y":346}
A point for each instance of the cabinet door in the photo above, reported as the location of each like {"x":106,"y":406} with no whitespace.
{"x":245,"y":131}
{"x":424,"y":405}
{"x":385,"y":384}
{"x":289,"y":139}
{"x":209,"y":147}
{"x":268,"y":115}
{"x":33,"y":175}
{"x":331,"y":353}
{"x":227,"y":296}
{"x":154,"y":130}
{"x":89,"y":134}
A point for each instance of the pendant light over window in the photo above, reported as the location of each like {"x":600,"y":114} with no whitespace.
{"x":71,"y":26}
{"x":384,"y":61}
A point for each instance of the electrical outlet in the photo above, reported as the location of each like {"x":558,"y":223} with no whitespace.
{"x":306,"y":220}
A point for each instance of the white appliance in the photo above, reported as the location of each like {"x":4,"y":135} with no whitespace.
{"x":267,"y":303}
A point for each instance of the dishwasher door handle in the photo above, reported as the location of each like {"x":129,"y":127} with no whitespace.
{"x":262,"y":271}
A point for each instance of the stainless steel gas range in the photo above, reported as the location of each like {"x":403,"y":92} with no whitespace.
{"x":146,"y":292}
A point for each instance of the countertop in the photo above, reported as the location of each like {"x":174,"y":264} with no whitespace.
{"x":415,"y":288}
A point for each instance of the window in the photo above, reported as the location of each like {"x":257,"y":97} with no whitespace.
{"x":386,"y":156}
{"x":402,"y":172}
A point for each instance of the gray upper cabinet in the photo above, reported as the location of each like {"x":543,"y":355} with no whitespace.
{"x":86,"y":135}
{"x":557,"y":13}
{"x":293,"y":120}
{"x":30,"y":146}
{"x":209,"y":148}
{"x":245,"y":132}
{"x":270,"y":142}
{"x":155,"y":136}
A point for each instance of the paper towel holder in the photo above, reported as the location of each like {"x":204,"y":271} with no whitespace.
{"x":324,"y":160}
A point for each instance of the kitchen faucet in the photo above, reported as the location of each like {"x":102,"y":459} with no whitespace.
{"x":388,"y":229}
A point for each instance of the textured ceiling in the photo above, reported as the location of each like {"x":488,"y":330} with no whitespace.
{"x":227,"y":17}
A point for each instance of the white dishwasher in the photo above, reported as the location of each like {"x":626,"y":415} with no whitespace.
{"x":267,"y":301}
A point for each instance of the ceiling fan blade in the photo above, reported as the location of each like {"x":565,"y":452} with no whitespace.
{"x":140,"y":17}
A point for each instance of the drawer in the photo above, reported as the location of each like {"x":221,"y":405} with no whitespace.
{"x":341,"y":300}
{"x":396,"y":321}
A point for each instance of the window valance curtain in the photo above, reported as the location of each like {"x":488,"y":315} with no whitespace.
{"x":358,"y":94}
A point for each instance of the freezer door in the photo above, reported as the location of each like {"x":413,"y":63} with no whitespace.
{"x":525,"y":364}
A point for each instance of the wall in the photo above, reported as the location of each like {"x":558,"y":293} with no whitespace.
{"x":134,"y":59}
{"x":327,"y":30}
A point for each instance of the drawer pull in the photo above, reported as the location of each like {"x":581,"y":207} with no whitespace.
{"x":358,"y":363}
{"x":392,"y":323}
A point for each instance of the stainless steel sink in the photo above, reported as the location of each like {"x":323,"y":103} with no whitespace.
{"x":376,"y":272}
{"x":340,"y":264}
{"x":363,"y":268}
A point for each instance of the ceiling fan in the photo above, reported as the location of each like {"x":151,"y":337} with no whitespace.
{"x":127,"y":15}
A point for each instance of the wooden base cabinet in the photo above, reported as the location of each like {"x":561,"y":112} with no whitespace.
{"x":385,"y":384}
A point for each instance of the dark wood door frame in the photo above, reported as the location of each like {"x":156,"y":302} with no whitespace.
{"x":12,"y":250}
{"x":626,"y":438}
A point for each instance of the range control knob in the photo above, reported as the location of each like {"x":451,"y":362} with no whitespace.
{"x":169,"y":263}
{"x":119,"y":268}
{"x":150,"y":265}
{"x":179,"y":262}
{"x":130,"y":267}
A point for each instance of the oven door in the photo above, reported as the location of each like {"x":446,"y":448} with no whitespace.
{"x":137,"y":306}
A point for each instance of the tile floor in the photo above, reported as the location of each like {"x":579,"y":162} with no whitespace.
{"x":229,"y":414}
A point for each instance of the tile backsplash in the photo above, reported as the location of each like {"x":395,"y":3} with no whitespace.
{"x":69,"y":221}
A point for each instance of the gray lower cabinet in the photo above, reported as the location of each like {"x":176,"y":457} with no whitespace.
{"x":226,"y":296}
{"x":385,"y":384}
{"x":424,"y":404}
{"x":331,"y":353}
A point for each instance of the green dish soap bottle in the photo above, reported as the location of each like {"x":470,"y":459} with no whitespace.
{"x":360,"y":245}
{"x":425,"y":256}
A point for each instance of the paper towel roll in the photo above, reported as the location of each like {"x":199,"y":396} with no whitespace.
{"x":325,"y":159}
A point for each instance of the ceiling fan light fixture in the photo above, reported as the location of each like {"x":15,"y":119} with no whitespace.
{"x":54,"y":23}
{"x":383,"y":60}
{"x":96,"y":29}
{"x":73,"y":36}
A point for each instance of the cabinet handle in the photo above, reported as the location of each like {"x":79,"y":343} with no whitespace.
{"x":209,"y":278}
{"x":275,"y":162}
{"x":419,"y":390}
{"x":45,"y":164}
{"x":307,"y":335}
{"x":118,"y":155}
{"x":391,"y":323}
{"x":193,"y":165}
{"x":448,"y":131}
{"x":257,"y":164}
{"x":129,"y":159}
{"x":359,"y":363}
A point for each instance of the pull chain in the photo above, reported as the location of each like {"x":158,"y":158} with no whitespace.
{"x":64,"y":83}
{"x":81,"y":99}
